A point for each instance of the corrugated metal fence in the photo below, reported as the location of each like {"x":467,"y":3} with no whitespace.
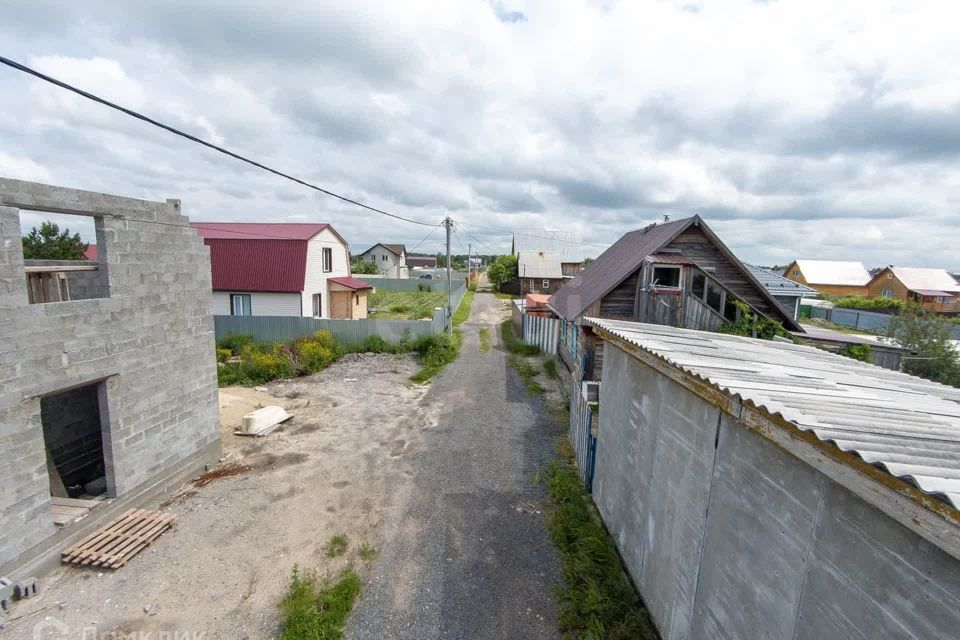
{"x":863,"y":320}
{"x":542,"y":332}
{"x":582,"y":434}
{"x":287,"y":328}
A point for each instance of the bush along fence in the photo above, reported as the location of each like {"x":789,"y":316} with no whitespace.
{"x":869,"y":321}
{"x":288,"y":328}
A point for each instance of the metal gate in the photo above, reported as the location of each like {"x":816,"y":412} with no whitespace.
{"x":583,"y":428}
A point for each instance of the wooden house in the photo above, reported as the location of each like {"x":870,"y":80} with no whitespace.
{"x":539,"y":272}
{"x":678,"y":274}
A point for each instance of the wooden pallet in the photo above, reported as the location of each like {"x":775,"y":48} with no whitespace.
{"x":113,"y":545}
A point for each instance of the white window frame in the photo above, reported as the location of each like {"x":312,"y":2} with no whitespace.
{"x":886,"y":293}
{"x":241,"y":297}
{"x":327,"y":259}
{"x":317,"y":301}
{"x":545,"y":284}
{"x":672,"y":268}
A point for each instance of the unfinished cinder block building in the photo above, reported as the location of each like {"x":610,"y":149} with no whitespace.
{"x":108,"y":388}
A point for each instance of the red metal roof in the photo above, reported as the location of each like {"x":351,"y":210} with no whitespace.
{"x":258,"y":230}
{"x":91,"y":252}
{"x":351,"y":283}
{"x":934,"y":292}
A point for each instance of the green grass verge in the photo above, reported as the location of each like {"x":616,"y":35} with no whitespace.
{"x":484,"y":339}
{"x":315,"y":610}
{"x":336,"y":547}
{"x":597,"y":599}
{"x":463,"y":311}
{"x":515,"y":344}
{"x":436,"y":353}
{"x":528,"y":373}
{"x":504,"y":296}
{"x":550,"y":367}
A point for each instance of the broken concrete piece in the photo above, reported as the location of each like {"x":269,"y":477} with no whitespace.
{"x":262,"y":421}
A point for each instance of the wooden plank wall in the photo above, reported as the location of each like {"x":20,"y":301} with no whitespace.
{"x":695,"y":245}
{"x":619,"y":303}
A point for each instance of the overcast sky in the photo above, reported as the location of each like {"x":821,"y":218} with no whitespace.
{"x":806,"y":128}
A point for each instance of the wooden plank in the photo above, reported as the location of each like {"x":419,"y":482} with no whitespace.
{"x":114,"y":545}
{"x":75,"y":502}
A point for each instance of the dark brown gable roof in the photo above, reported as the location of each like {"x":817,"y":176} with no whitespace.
{"x":398,"y":249}
{"x":627,"y":254}
{"x":616,"y":263}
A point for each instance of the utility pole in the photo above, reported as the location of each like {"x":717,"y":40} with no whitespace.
{"x":469,"y":261}
{"x":448,"y":223}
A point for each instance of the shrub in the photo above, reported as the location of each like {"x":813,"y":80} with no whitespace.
{"x":223,"y":354}
{"x":316,"y":352}
{"x":261,"y":366}
{"x":434,"y":352}
{"x":861,"y":352}
{"x":235,"y":342}
{"x":424,"y":287}
{"x":515,"y":344}
{"x":750,"y":324}
{"x":879,"y":303}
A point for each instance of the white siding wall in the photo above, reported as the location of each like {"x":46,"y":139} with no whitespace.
{"x":390,"y":267}
{"x":316,"y":280}
{"x":261,"y":304}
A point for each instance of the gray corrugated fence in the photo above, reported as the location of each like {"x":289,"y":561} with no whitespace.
{"x":863,"y":320}
{"x":542,"y":332}
{"x":405,"y":284}
{"x":287,"y":328}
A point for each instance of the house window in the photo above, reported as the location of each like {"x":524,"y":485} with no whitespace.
{"x":887,"y":293}
{"x":240,"y":304}
{"x":729,"y":309}
{"x":714,"y":297}
{"x":383,"y":257}
{"x":546,"y":284}
{"x":668,"y":277}
{"x":889,"y":276}
{"x":796,"y":273}
{"x":327,"y":260}
{"x":356,"y":299}
{"x":698,"y":284}
{"x":317,"y":305}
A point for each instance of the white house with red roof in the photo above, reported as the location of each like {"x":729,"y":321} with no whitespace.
{"x":282,"y":269}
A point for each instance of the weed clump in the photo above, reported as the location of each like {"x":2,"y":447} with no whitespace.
{"x":315,"y":610}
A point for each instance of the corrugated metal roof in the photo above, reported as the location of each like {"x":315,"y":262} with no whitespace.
{"x":351,"y":282}
{"x":257,"y":265}
{"x":538,"y":264}
{"x":934,"y":292}
{"x":777,"y":284}
{"x":908,"y":426}
{"x":258,"y":230}
{"x":837,"y":272}
{"x":422,"y":261}
{"x":917,"y":279}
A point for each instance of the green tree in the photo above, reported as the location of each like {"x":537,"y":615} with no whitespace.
{"x":364,"y":266}
{"x":503,"y":270}
{"x":928,"y":338}
{"x":49,"y":243}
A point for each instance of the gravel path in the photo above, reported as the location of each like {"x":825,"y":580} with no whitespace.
{"x":465,"y":551}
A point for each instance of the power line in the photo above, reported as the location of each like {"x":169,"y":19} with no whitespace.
{"x":532,"y":235}
{"x":425,"y":238}
{"x":192,"y":138}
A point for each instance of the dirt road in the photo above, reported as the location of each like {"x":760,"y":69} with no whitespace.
{"x":465,"y":548}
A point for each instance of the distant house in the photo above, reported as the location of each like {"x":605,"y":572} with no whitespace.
{"x":90,"y":253}
{"x":539,"y":272}
{"x":391,"y":259}
{"x":785,"y":291}
{"x":422,"y":262}
{"x":277,"y":269}
{"x":835,"y":277}
{"x":934,"y":289}
{"x":678,"y":273}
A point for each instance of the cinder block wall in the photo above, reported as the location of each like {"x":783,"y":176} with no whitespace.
{"x":150,"y":341}
{"x":728,"y":536}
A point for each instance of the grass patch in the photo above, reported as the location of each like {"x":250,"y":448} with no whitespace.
{"x":435,"y":352}
{"x":336,"y":547}
{"x":528,"y":373}
{"x":515,"y":344}
{"x":367,"y":552}
{"x":463,"y":311}
{"x":484,"y":339}
{"x":405,"y":305}
{"x":550,"y":367}
{"x":315,"y":610}
{"x":504,"y":296}
{"x":826,"y":324}
{"x":596,"y":599}
{"x":256,"y":363}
